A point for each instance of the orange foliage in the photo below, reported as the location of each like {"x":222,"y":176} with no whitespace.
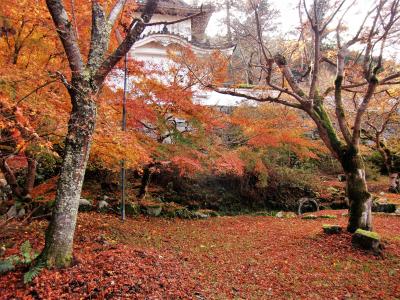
{"x":275,"y":126}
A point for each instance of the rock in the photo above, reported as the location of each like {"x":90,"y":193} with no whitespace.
{"x":209,"y":212}
{"x":289,"y":215}
{"x":12,"y":212}
{"x":383,"y":207}
{"x":328,"y":217}
{"x":342,"y":177}
{"x":331,"y":229}
{"x":3,"y":183}
{"x":367,"y":240}
{"x":153,"y":210}
{"x":83,"y":201}
{"x":21,"y":213}
{"x":174,"y":210}
{"x":200,"y":215}
{"x":103,"y":205}
{"x":265,"y":213}
{"x":309,"y":217}
{"x":85,"y":205}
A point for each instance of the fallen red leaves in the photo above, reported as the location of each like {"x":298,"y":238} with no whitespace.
{"x":228,"y":257}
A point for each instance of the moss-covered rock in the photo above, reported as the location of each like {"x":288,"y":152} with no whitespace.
{"x":328,"y":217}
{"x":153,"y":210}
{"x":200,"y":215}
{"x":266,"y":213}
{"x":309,"y":217}
{"x":285,"y":214}
{"x":132,"y":209}
{"x":331,"y":229}
{"x":209,"y":212}
{"x":174,"y":210}
{"x":367,"y":240}
{"x":85,"y":205}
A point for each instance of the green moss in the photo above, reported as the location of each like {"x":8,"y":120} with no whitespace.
{"x":309,"y":217}
{"x":327,"y":123}
{"x":328,"y":217}
{"x":329,"y":226}
{"x":370,"y":234}
{"x":245,"y":86}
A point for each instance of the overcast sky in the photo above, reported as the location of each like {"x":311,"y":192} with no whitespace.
{"x":289,"y":18}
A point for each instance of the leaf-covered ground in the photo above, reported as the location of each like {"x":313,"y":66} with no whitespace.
{"x":221,"y":258}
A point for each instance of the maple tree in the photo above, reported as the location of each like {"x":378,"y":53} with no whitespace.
{"x":269,"y":126}
{"x":282,"y":87}
{"x":30,"y":102}
{"x":176,"y":131}
{"x":86,"y":80}
{"x":87,"y":77}
{"x":380,"y":128}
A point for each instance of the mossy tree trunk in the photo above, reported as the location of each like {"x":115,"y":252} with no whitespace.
{"x":343,"y":138}
{"x":360,"y":200}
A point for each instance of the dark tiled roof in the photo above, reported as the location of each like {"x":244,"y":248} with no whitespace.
{"x":172,"y":7}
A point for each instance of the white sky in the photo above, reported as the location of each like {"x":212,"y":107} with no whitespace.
{"x":289,"y":18}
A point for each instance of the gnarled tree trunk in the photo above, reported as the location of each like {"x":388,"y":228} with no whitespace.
{"x":60,"y":234}
{"x":360,"y":200}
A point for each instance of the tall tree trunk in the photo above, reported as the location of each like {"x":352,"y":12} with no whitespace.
{"x":60,"y":233}
{"x":360,"y":200}
{"x":360,"y":214}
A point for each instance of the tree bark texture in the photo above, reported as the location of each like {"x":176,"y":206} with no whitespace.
{"x":360,"y":213}
{"x":60,"y":233}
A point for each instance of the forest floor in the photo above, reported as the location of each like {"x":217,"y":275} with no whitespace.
{"x":242,"y":257}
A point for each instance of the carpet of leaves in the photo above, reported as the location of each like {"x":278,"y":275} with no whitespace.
{"x":243,"y":257}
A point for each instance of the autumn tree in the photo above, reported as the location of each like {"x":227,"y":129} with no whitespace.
{"x":84,"y":85}
{"x":381,"y":127}
{"x":177,"y":130}
{"x":270,"y":126}
{"x":340,"y":133}
{"x":29,"y":101}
